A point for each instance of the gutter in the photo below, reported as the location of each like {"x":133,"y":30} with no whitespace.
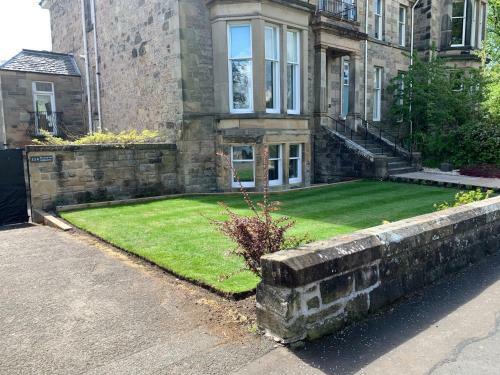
{"x":87,"y":73}
{"x":3,"y":129}
{"x":97,"y":69}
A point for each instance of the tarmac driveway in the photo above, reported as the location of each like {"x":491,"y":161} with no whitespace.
{"x":70,"y":305}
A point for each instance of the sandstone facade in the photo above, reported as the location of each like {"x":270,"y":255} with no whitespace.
{"x":167,"y":65}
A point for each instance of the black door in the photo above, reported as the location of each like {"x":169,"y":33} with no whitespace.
{"x":13,"y":199}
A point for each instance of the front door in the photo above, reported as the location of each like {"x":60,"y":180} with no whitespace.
{"x":345,"y":89}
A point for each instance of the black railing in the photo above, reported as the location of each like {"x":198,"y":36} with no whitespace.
{"x":50,"y":122}
{"x":343,"y":9}
{"x":368,"y":132}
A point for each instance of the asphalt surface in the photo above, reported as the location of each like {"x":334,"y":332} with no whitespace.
{"x":71,"y":305}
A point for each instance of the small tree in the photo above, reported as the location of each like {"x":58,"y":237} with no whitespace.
{"x":260,"y":233}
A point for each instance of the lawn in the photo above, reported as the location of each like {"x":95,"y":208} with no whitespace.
{"x":176,"y":233}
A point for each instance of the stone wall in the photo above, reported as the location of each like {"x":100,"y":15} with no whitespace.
{"x":62,"y":175}
{"x":334,"y":161}
{"x":140,"y":60}
{"x":17,"y":101}
{"x":323,"y":286}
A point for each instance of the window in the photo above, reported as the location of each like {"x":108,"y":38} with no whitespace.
{"x":378,"y":19}
{"x":272,"y":69}
{"x":458,"y":20}
{"x":295,"y":164}
{"x":243,"y":162}
{"x":402,"y":26}
{"x":401,"y":88}
{"x":89,"y":24}
{"x":293,"y":72}
{"x":275,"y":165}
{"x":377,"y":93}
{"x":482,"y":24}
{"x":240,"y":68}
{"x":44,"y":104}
{"x":345,"y":89}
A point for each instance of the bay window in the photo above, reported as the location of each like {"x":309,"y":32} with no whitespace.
{"x":295,"y":164}
{"x":377,"y":93}
{"x":272,"y":56}
{"x":275,"y":165}
{"x":293,"y":72}
{"x":243,"y":163}
{"x":458,"y":22}
{"x":378,"y":19}
{"x":240,"y":68}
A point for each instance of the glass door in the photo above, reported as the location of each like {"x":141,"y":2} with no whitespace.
{"x":44,"y":102}
{"x":345,"y":89}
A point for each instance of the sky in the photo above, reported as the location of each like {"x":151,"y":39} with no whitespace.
{"x":23,"y":24}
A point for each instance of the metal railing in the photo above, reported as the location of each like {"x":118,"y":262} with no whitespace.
{"x":343,"y":9}
{"x":368,"y":132}
{"x":45,"y":121}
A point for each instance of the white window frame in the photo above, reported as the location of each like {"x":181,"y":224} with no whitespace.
{"x":402,"y":26}
{"x":464,"y":23}
{"x":234,"y":181}
{"x":279,"y":181}
{"x":52,"y":94}
{"x":378,"y":13}
{"x":297,"y":86}
{"x":482,"y":24}
{"x":276,"y":69}
{"x":230,"y":69}
{"x":377,"y":93}
{"x":298,"y":179}
{"x":344,"y":86}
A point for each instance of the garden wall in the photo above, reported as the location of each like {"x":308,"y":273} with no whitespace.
{"x":61,"y":175}
{"x":323,"y":286}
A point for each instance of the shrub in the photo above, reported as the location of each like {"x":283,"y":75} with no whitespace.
{"x":483,"y":170}
{"x":124,"y":137}
{"x":260,"y":233}
{"x":464,"y":197}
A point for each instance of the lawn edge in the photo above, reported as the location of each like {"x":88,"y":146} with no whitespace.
{"x":236,"y":296}
{"x":120,"y":202}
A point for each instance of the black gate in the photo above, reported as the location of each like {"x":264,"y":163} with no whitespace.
{"x":13,"y":198}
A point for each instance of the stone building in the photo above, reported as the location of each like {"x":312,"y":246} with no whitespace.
{"x":305,"y":80}
{"x":39,"y":90}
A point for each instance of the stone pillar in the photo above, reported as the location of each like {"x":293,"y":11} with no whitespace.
{"x":320,"y":80}
{"x":259,"y":67}
{"x":356,"y":75}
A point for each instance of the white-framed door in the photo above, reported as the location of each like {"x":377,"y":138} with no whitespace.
{"x":44,"y":103}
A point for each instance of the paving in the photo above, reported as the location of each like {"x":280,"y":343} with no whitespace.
{"x":451,"y":179}
{"x":72,"y":305}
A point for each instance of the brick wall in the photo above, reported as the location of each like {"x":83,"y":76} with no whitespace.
{"x":321,"y":287}
{"x":62,"y":175}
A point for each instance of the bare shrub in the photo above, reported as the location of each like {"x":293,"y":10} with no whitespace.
{"x":260,"y":233}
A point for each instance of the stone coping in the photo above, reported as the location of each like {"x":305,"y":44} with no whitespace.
{"x":83,"y":206}
{"x":322,"y":259}
{"x":97,"y":147}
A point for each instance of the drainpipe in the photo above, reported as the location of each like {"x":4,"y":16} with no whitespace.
{"x":97,"y":69}
{"x":366,"y":63}
{"x":85,"y":56}
{"x":411,"y":61}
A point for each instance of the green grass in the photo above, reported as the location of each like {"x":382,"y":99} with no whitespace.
{"x":176,"y":233}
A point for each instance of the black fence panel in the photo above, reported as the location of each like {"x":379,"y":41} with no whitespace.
{"x":13,"y":198}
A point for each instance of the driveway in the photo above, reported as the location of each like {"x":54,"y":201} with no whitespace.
{"x":71,"y":305}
